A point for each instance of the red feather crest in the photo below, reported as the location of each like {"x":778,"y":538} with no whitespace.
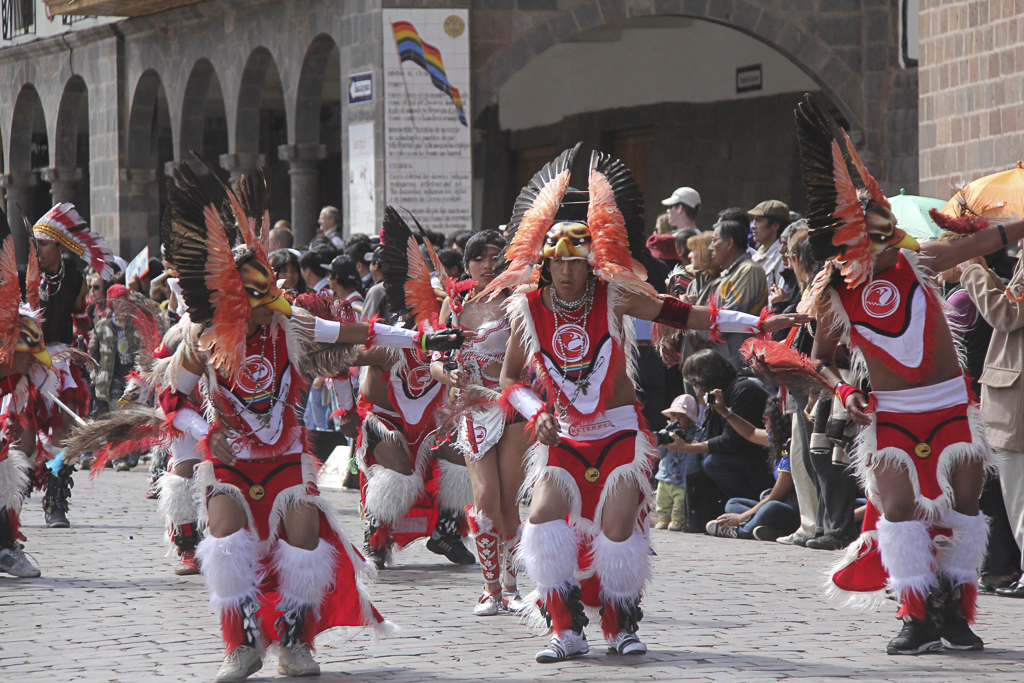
{"x":10,"y":299}
{"x":961,"y":225}
{"x":32,"y":278}
{"x":778,"y":365}
{"x":419,"y":293}
{"x":610,"y":253}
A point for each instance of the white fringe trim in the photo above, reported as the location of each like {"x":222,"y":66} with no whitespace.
{"x":231,"y":568}
{"x":621,"y":329}
{"x":624,"y":568}
{"x":867,"y":456}
{"x":455,"y":488}
{"x":390,"y":495}
{"x":177,"y":504}
{"x":304,"y":576}
{"x":14,"y":471}
{"x":960,"y":557}
{"x":906,"y":549}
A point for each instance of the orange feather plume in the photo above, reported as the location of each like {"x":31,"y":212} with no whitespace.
{"x":869,"y":181}
{"x":32,"y":278}
{"x":609,"y":241}
{"x":10,"y":298}
{"x":225,"y":337}
{"x":419,"y":294}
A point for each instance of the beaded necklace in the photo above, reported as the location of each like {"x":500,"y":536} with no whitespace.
{"x":570,"y":312}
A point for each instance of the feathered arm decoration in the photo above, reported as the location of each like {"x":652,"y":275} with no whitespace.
{"x":129,"y":429}
{"x":961,"y":225}
{"x":615,"y":219}
{"x":778,"y":365}
{"x":406,"y":274}
{"x":225,"y":338}
{"x":532,"y":217}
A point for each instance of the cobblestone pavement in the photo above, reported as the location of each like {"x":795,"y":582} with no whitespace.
{"x":109,"y":608}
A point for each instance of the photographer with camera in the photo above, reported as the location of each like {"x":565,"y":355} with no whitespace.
{"x":686,"y":417}
{"x":737,"y":467}
{"x":776,"y":513}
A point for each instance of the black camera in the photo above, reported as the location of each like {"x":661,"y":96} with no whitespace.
{"x":664,"y":436}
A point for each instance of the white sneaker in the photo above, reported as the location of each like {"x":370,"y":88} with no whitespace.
{"x":564,"y":646}
{"x":14,"y":561}
{"x":297,"y":661}
{"x":488,"y":605}
{"x":790,"y":539}
{"x":626,"y":643}
{"x":239,"y":664}
{"x":513,"y":602}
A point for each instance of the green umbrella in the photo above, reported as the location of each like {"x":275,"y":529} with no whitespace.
{"x":912,"y":216}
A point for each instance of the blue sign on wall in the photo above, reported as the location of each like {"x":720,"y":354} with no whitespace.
{"x":360,"y":88}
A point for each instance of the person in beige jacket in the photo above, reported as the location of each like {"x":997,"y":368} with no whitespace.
{"x":1002,"y":390}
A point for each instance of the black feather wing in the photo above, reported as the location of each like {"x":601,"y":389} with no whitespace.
{"x":188,"y":241}
{"x":394,"y":260}
{"x":629,"y":199}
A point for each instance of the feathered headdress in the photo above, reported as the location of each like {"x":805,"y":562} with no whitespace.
{"x":407,"y":285}
{"x":63,"y":225}
{"x":612,"y":210}
{"x":849,"y":217}
{"x":19,"y":322}
{"x":220,"y":286}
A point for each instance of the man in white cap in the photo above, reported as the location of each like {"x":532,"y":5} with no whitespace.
{"x":683,"y":207}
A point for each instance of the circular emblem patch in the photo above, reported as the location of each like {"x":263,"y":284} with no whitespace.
{"x":922,"y":450}
{"x":592,"y":474}
{"x":257,"y":376}
{"x":572,"y":340}
{"x":880,"y":299}
{"x":479,"y":434}
{"x":419,"y":379}
{"x":256,"y":492}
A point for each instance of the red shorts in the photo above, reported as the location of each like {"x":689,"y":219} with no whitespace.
{"x":261,"y":480}
{"x":591,"y":462}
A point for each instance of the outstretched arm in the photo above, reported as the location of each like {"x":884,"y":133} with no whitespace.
{"x":944,"y":255}
{"x":675,"y":313}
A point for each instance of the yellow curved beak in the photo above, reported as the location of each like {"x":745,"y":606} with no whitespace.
{"x":906,"y":242}
{"x":43,"y":357}
{"x":280,"y":305}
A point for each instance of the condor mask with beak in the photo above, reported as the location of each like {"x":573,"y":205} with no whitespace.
{"x":30,"y":336}
{"x":567,"y":240}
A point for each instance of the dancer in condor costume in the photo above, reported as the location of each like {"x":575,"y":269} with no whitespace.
{"x":61,"y":294}
{"x":922,"y":452}
{"x":492,"y":444}
{"x":23,"y":362}
{"x":277,"y":564}
{"x":411,"y":485}
{"x":592,"y":462}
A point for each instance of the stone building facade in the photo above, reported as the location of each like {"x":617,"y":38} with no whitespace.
{"x":99,"y":113}
{"x":971,"y":91}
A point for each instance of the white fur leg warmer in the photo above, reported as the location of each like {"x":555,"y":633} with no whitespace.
{"x":455,"y":489}
{"x":13,"y":480}
{"x":304,"y":576}
{"x":550,"y":554}
{"x":177,"y":501}
{"x":390,"y":495}
{"x":906,"y":549}
{"x":230,"y":566}
{"x":960,"y":557}
{"x":623,"y":567}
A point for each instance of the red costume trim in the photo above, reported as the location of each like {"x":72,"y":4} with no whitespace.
{"x":674,"y":313}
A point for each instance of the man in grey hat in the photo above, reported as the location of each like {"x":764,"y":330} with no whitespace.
{"x":767,"y":221}
{"x":683,"y":208}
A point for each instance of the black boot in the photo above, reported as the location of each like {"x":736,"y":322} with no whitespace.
{"x":57,"y":498}
{"x":916,"y":637}
{"x":446,"y":539}
{"x":376,"y":542}
{"x":947,"y":616}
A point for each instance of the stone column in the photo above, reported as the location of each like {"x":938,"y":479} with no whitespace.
{"x":142,"y":219}
{"x":19,"y":187}
{"x":304,"y":172}
{"x":240,"y":163}
{"x":63,"y":182}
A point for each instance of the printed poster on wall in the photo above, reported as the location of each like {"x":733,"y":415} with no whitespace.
{"x":428,"y":158}
{"x":362,"y":190}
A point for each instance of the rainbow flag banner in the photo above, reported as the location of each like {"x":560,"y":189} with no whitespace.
{"x":414,"y":49}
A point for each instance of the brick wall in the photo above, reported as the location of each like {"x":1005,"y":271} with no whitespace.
{"x":970,"y":83}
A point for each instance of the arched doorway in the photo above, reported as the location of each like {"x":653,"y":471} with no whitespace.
{"x":682,"y":100}
{"x":29,"y":154}
{"x":204,"y":123}
{"x":315,"y":157}
{"x":69,"y":175}
{"x":261,"y":126}
{"x":150,"y":148}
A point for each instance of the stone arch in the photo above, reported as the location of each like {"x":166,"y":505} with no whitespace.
{"x":315,"y":156}
{"x":203,"y":118}
{"x":150,"y":149}
{"x":261,"y":126}
{"x":771,"y":26}
{"x":69,"y":175}
{"x":29,"y":154}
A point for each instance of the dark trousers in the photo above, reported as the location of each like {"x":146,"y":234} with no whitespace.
{"x":736,"y":476}
{"x":653,"y":379}
{"x":1002,"y":557}
{"x":836,"y":484}
{"x":776,"y":514}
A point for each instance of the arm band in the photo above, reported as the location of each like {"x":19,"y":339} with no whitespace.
{"x":525,"y":401}
{"x":735,"y":321}
{"x":395,"y":337}
{"x":843,"y":391}
{"x":1002,"y":233}
{"x":674,"y":313}
{"x":326,"y":331}
{"x":192,"y":423}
